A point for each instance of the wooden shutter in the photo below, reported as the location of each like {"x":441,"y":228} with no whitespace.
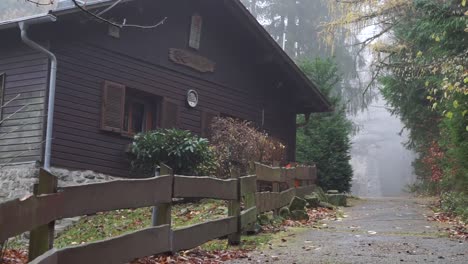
{"x":113,"y":106}
{"x":206,"y":120}
{"x":169,"y":114}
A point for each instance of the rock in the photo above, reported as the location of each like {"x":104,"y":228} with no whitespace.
{"x":327,"y":205}
{"x":312,"y":200}
{"x":263,"y":219}
{"x":297,"y":204}
{"x":284,"y":212}
{"x":321,"y":194}
{"x":337,"y":199}
{"x":299,"y":215}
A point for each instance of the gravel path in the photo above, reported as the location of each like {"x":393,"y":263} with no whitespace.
{"x":382,"y":230}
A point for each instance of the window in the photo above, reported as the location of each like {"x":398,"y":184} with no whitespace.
{"x":2,"y":92}
{"x":129,"y":111}
{"x":140,"y":113}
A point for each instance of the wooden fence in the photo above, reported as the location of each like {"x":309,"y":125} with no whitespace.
{"x":39,"y":211}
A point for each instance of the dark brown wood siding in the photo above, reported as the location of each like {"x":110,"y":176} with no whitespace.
{"x":140,"y":60}
{"x":26,"y":76}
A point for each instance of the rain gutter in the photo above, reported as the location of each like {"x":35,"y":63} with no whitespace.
{"x":24,"y":25}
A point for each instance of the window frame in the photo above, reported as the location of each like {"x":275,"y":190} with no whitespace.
{"x":150,"y":113}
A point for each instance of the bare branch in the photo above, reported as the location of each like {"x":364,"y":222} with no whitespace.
{"x":120,"y":25}
{"x":14,"y":130}
{"x":4,"y":105}
{"x":109,"y":8}
{"x":38,"y":3}
{"x":11,"y":115}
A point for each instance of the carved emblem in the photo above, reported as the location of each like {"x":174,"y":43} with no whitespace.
{"x":192,"y":60}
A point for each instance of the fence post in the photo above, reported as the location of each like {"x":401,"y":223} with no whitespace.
{"x":41,"y":239}
{"x":235,"y":210}
{"x":249,"y":202}
{"x":163,"y":211}
{"x":154,"y":209}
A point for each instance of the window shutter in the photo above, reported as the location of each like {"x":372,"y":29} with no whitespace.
{"x":113,"y":106}
{"x":206,"y":120}
{"x":169,"y":114}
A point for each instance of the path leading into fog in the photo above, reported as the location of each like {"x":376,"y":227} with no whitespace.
{"x":380,"y":230}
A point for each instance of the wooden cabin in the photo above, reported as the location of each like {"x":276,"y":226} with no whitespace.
{"x":208,"y":58}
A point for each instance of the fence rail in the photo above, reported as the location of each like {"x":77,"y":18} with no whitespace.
{"x":22,"y":215}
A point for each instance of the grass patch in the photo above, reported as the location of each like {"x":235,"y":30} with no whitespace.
{"x":111,"y":224}
{"x":247,"y":243}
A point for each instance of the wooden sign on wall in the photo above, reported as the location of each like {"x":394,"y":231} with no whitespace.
{"x":192,"y":60}
{"x":195,"y":31}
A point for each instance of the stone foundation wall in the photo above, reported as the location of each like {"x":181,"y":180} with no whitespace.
{"x":17,"y":180}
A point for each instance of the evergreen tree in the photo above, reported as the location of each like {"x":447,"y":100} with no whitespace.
{"x":325,"y":139}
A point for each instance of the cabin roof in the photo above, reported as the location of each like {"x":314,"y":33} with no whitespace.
{"x":308,"y":96}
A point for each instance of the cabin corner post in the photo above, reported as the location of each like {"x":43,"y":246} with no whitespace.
{"x":234,"y":209}
{"x":41,"y":239}
{"x":163,"y":211}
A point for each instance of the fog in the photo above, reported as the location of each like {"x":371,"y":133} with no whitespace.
{"x":382,"y":165}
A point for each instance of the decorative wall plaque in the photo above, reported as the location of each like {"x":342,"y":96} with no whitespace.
{"x":195,"y":31}
{"x":192,"y":60}
{"x":192,"y":98}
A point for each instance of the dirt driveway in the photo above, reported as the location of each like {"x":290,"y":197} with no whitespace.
{"x":383,"y":230}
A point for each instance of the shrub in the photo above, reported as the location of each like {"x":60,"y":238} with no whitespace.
{"x":455,"y":202}
{"x":184,"y":152}
{"x":238,"y":143}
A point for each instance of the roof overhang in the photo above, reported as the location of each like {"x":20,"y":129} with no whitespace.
{"x":309,"y":99}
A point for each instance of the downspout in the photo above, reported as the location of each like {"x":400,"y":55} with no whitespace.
{"x":52,"y":80}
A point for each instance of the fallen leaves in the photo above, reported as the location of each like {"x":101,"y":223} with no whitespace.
{"x":314,"y":216}
{"x":12,"y":256}
{"x":195,"y":256}
{"x":457,"y":229}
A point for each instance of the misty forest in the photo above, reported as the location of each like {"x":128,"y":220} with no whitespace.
{"x":388,"y":159}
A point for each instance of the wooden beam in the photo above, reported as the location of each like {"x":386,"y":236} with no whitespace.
{"x":195,"y":235}
{"x":114,"y":195}
{"x":267,"y":173}
{"x":121,"y":249}
{"x":22,"y":215}
{"x":205,"y":187}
